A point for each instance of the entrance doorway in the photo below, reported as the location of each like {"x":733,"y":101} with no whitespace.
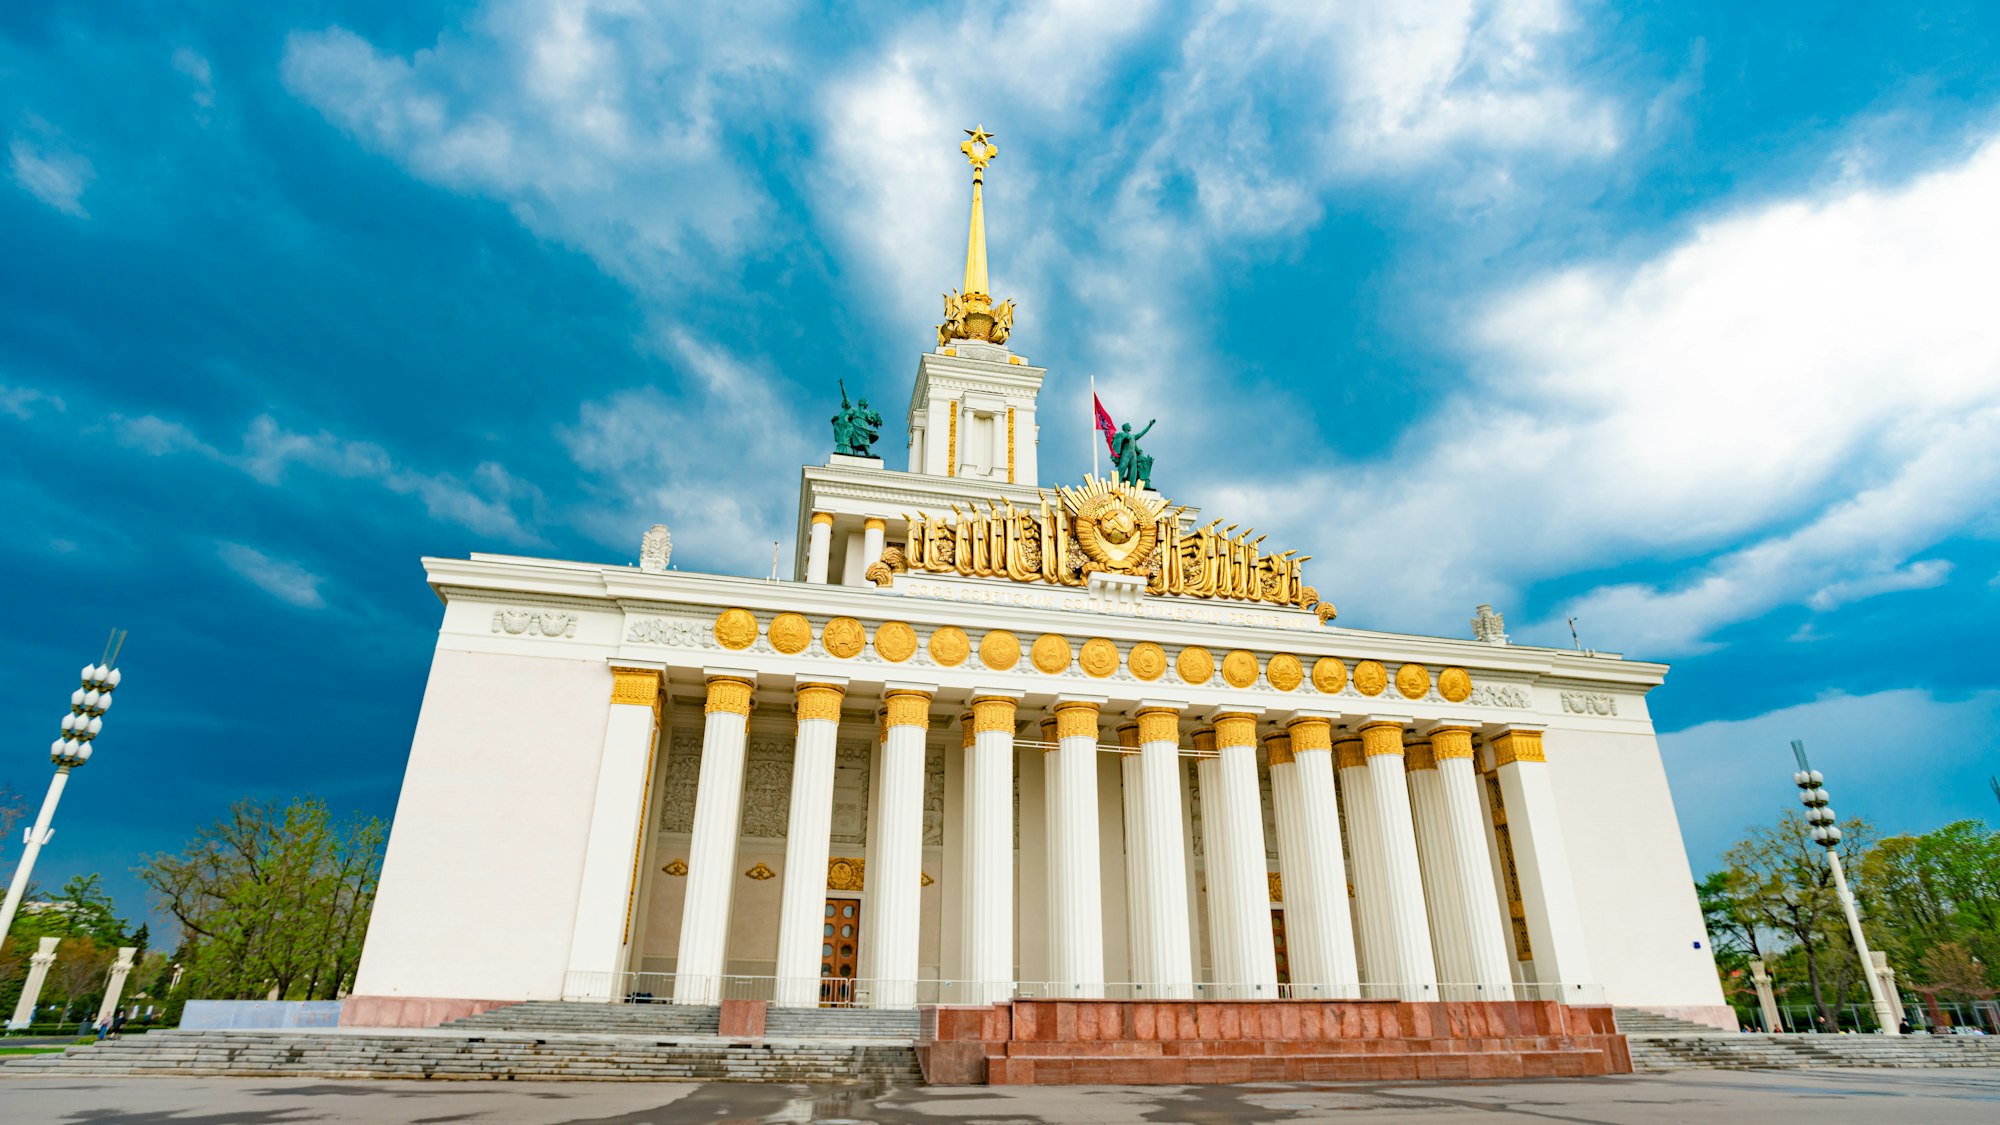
{"x":840,"y":945}
{"x":1278,"y":945}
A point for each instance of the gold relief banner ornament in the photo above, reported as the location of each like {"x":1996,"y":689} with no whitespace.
{"x":1106,"y":527}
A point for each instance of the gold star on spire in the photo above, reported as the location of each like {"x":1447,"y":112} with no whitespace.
{"x":970,"y":314}
{"x":979,"y":149}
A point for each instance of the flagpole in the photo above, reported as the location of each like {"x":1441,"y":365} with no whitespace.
{"x":1093,"y":425}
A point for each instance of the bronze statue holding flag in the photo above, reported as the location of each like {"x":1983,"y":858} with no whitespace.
{"x":1130,"y":464}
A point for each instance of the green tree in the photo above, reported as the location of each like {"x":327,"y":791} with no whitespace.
{"x":272,"y":902}
{"x":1938,"y":888}
{"x":1780,"y":882}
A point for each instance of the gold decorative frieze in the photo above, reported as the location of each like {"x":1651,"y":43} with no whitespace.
{"x":820,"y":701}
{"x":843,"y":873}
{"x":760,"y":873}
{"x":895,"y":641}
{"x":1076,"y":720}
{"x":843,"y":637}
{"x":1518,"y":746}
{"x":1098,"y":657}
{"x":950,"y":646}
{"x":999,"y":650}
{"x":905,"y":708}
{"x":1051,"y":654}
{"x":1381,"y":738}
{"x":1159,"y":724}
{"x":1239,"y":669}
{"x":1455,"y":685}
{"x":736,"y":629}
{"x":1106,"y":527}
{"x":1148,"y":661}
{"x":1194,"y":665}
{"x":729,"y":695}
{"x":1284,"y":672}
{"x":677,"y":868}
{"x":1235,"y":730}
{"x":1370,"y":677}
{"x":1329,"y":675}
{"x":1310,"y":733}
{"x":791,"y":633}
{"x":1413,"y":680}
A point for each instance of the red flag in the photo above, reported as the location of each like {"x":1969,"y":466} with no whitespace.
{"x":1105,"y":424}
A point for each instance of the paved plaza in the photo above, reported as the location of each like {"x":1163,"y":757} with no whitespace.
{"x":1907,"y":1097}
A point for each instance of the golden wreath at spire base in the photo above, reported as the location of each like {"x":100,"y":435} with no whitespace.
{"x":969,"y":313}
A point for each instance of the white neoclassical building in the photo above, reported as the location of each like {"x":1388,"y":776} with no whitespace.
{"x":998,"y":738}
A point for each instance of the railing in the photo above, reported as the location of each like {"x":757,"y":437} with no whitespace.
{"x":823,"y":992}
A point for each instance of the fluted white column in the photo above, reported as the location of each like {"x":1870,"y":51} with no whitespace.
{"x":1376,"y":950}
{"x":1410,"y":937}
{"x":1076,"y":885}
{"x":802,"y":899}
{"x":1317,"y":920}
{"x":819,"y":546}
{"x":1138,"y":915}
{"x":1164,"y":927}
{"x":601,"y":930}
{"x":868,"y":964}
{"x":871,"y":542}
{"x":115,"y":987}
{"x":1489,"y":965}
{"x":989,"y":848}
{"x":1221,"y":914}
{"x":1288,"y":816}
{"x":1255,"y":970}
{"x":31,"y":989}
{"x":1444,"y":908}
{"x":718,"y":812}
{"x":895,"y":855}
{"x":1555,"y":926}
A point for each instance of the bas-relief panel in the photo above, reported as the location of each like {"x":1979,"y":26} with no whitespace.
{"x":683,"y":771}
{"x":850,"y":794}
{"x":1194,"y":808}
{"x":1270,"y":811}
{"x":934,"y":796}
{"x":767,"y":788}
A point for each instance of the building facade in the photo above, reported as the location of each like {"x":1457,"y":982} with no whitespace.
{"x":998,"y":739}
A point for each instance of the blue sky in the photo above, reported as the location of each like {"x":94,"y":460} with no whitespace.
{"x":1675,"y":318}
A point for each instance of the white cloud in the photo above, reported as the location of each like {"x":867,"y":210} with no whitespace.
{"x":1897,"y":758}
{"x":21,"y":401}
{"x":49,"y":170}
{"x":158,"y":437}
{"x":287,"y":581}
{"x":200,"y":75}
{"x":598,"y":123}
{"x":1810,"y":387}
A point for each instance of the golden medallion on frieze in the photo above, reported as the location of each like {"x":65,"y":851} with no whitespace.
{"x":843,"y":637}
{"x":1194,"y":665}
{"x":950,"y":647}
{"x":791,"y":633}
{"x":1099,"y":657}
{"x":1455,"y":685}
{"x":895,"y":641}
{"x":1329,"y":675}
{"x":1239,"y":669}
{"x":999,"y":650}
{"x":1285,"y":672}
{"x":1148,"y":661}
{"x":1117,"y":527}
{"x":843,"y":873}
{"x":736,"y":629}
{"x":1370,"y":677}
{"x":1413,"y":680}
{"x":1051,"y":654}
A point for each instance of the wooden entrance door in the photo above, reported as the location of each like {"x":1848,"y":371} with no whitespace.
{"x":839,"y":951}
{"x":1278,"y":944}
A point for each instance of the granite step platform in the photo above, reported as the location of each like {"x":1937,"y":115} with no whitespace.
{"x":1725,"y":1051}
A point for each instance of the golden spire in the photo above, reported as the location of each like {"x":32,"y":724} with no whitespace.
{"x":970,"y":313}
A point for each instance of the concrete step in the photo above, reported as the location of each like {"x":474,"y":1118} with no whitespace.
{"x":1722,"y":1050}
{"x":1639,"y":1022}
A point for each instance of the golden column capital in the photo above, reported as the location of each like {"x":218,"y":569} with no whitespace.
{"x":906,"y":707}
{"x":1517,"y":746}
{"x":1235,"y":729}
{"x":993,"y":713}
{"x":824,"y":519}
{"x":1382,"y":738}
{"x":639,"y":687}
{"x":1203,"y":739}
{"x":1451,"y":742}
{"x":1128,"y":735}
{"x":1347,"y":752}
{"x":1310,"y":732}
{"x":1048,"y":727}
{"x":1159,"y":724}
{"x":1278,"y":748}
{"x":873,"y":523}
{"x":819,"y":701}
{"x":965,"y":731}
{"x":729,"y":694}
{"x":1076,"y":718}
{"x":1418,"y":754}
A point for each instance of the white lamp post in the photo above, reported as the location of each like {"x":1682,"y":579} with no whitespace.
{"x":1825,"y":833}
{"x":85,"y":720}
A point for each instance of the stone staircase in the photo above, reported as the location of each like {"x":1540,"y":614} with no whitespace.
{"x":1637,"y":1023}
{"x":1660,"y":1043}
{"x":529,"y":1041}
